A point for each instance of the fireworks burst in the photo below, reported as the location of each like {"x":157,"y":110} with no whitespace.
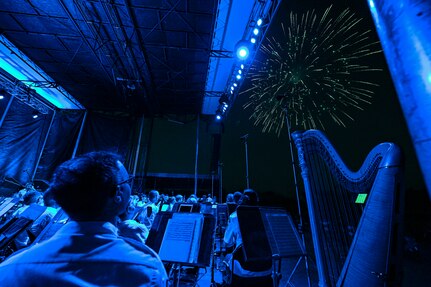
{"x":313,"y":72}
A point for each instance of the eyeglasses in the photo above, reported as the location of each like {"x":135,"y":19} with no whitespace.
{"x":128,"y":181}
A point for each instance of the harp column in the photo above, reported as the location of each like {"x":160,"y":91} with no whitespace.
{"x":404,"y":29}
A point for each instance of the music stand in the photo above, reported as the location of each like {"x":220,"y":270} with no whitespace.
{"x":157,"y":233}
{"x":271,"y":229}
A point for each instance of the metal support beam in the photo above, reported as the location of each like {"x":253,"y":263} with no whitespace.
{"x":75,"y":149}
{"x":404,"y":30}
{"x":197,"y":154}
{"x":43,"y":145}
{"x":6,"y":110}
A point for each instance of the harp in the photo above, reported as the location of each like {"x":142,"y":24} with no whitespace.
{"x":355,"y":217}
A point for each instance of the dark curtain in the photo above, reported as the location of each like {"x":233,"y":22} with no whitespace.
{"x":61,"y":141}
{"x":21,"y":140}
{"x":108,"y":132}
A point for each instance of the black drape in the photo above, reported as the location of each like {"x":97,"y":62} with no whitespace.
{"x":21,"y":139}
{"x":61,"y":141}
{"x":108,"y":132}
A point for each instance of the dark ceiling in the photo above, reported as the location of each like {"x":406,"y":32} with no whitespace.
{"x":128,"y":55}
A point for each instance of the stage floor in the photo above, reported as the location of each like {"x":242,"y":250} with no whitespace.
{"x":298,"y":278}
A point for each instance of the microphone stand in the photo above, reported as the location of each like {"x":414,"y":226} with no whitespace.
{"x":244,"y":138}
{"x":292,"y":158}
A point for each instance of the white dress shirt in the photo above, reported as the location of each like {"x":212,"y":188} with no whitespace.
{"x":85,"y":254}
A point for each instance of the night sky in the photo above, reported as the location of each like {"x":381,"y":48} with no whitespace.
{"x":269,"y":157}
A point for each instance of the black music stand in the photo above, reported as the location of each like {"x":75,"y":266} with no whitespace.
{"x":273,"y":230}
{"x":157,"y":234}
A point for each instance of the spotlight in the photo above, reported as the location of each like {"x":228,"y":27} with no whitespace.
{"x":253,"y":40}
{"x":240,"y":72}
{"x":1,"y":97}
{"x":242,"y":50}
{"x":219,"y":115}
{"x":259,"y":22}
{"x":255,"y":31}
{"x":35,"y":115}
{"x":238,"y":77}
{"x":235,"y":84}
{"x":242,"y":66}
{"x":232,"y":88}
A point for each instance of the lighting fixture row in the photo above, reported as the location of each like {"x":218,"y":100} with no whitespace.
{"x":243,"y":50}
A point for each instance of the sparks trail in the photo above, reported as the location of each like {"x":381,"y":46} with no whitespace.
{"x":314,"y":71}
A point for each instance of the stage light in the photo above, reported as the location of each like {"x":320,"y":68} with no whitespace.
{"x":232,"y":88}
{"x":253,"y":40}
{"x":231,"y":92}
{"x":1,"y":97}
{"x":242,"y":53}
{"x":242,"y":50}
{"x":238,"y":77}
{"x":255,"y":31}
{"x":35,"y":115}
{"x":235,"y":84}
{"x":218,"y":117}
{"x":242,"y":66}
{"x":259,"y":22}
{"x":240,"y":72}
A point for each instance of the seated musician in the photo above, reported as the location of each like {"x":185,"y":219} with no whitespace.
{"x":33,"y":198}
{"x":147,"y":213}
{"x":233,"y":241}
{"x":130,"y":228}
{"x":93,"y":189}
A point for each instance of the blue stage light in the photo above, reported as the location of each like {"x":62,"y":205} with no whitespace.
{"x":242,"y":50}
{"x":242,"y":66}
{"x":255,"y":31}
{"x":232,"y":88}
{"x":242,"y":53}
{"x":253,"y":40}
{"x":235,"y":84}
{"x":218,"y":117}
{"x":259,"y":22}
{"x":240,"y":72}
{"x":238,"y":77}
{"x":1,"y":97}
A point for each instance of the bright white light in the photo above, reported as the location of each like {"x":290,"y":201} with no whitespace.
{"x":242,"y":52}
{"x":1,"y":97}
{"x":371,"y":3}
{"x":256,"y":31}
{"x":231,"y":92}
{"x":253,"y":40}
{"x":35,"y":116}
{"x":235,"y":84}
{"x":259,"y":22}
{"x":242,"y":66}
{"x":218,"y":117}
{"x":240,"y":72}
{"x":238,"y":77}
{"x":232,"y":88}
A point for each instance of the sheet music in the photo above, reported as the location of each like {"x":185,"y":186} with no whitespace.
{"x":281,"y":232}
{"x":182,"y":238}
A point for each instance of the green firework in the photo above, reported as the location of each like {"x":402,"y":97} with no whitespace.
{"x":314,"y":71}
